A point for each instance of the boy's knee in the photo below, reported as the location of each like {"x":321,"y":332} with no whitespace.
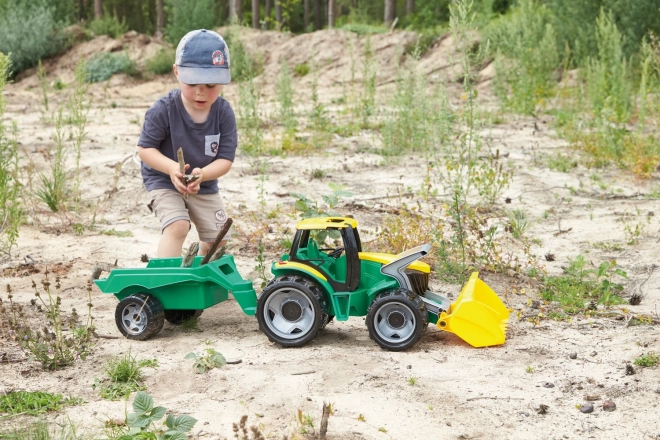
{"x":177,"y":229}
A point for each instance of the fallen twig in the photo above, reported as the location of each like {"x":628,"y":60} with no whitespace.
{"x":303,"y":372}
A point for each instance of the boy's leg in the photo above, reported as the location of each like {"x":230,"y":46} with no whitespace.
{"x":170,"y":208}
{"x":208,"y":214}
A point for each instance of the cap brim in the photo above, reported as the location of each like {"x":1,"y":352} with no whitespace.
{"x":201,"y":75}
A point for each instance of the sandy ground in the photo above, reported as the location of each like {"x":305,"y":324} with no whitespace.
{"x":458,"y":391}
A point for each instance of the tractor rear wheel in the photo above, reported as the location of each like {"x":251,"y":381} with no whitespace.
{"x":139,"y":316}
{"x":177,"y":316}
{"x":291,"y":310}
{"x":397,"y":319}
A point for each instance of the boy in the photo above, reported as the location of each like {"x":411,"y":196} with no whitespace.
{"x":195,"y":119}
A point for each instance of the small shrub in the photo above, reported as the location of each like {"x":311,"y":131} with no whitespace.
{"x":207,"y":360}
{"x":102,"y":66}
{"x":50,"y":345}
{"x":124,"y":377}
{"x":647,"y":360}
{"x":141,"y":424}
{"x":186,"y":15}
{"x":161,"y":63}
{"x":33,"y":402}
{"x":301,"y":69}
{"x":109,"y":25}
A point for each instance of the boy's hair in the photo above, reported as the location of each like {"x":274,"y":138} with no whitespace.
{"x":202,"y":57}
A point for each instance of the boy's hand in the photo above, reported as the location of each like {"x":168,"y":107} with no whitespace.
{"x":193,"y":187}
{"x":177,"y":179}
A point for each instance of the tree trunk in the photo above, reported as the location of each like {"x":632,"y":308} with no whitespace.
{"x":306,"y":15}
{"x":232,"y":11}
{"x":239,"y":10}
{"x":331,"y":14}
{"x":98,"y":9}
{"x":255,"y":14}
{"x":269,"y":4}
{"x":318,"y":19}
{"x":160,"y":18}
{"x":410,"y":6}
{"x":278,"y":14}
{"x":390,"y":12}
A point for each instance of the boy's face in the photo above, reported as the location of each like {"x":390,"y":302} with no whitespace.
{"x":198,"y":96}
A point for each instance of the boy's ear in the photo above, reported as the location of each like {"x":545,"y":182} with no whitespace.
{"x":176,"y":72}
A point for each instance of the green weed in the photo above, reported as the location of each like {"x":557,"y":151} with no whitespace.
{"x":284,"y":92}
{"x":518,"y":223}
{"x":124,"y":376}
{"x":301,"y":69}
{"x":44,"y":430}
{"x":190,"y":325}
{"x":116,"y":233}
{"x":102,"y":66}
{"x":647,"y":360}
{"x":109,"y":25}
{"x":34,"y":402}
{"x":207,"y":360}
{"x":412,"y":381}
{"x":249,"y":116}
{"x":581,"y":285}
{"x":161,"y":62}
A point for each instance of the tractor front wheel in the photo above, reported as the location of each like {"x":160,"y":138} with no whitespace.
{"x":139,"y":316}
{"x":291,"y":310}
{"x":397,"y":319}
{"x":177,"y":316}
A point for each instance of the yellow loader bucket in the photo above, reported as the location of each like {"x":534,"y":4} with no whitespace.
{"x":478,"y":316}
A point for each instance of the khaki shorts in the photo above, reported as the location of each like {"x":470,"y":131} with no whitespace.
{"x":205,"y":211}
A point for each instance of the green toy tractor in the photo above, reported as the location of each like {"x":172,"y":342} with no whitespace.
{"x":314,"y":285}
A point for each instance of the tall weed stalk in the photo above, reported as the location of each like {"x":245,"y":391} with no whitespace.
{"x":79,"y":104}
{"x":249,"y":117}
{"x":11,"y":212}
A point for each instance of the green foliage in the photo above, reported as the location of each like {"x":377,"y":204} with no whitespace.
{"x":60,"y":339}
{"x":141,"y":424}
{"x":33,"y":402}
{"x":525,"y":47}
{"x":207,"y":360}
{"x":581,"y":284}
{"x":102,"y":66}
{"x":54,"y":189}
{"x":117,"y":233}
{"x":301,"y":69}
{"x":124,"y":376}
{"x":647,"y":360}
{"x":608,"y":78}
{"x":109,"y":25}
{"x":184,"y":16}
{"x":311,"y":208}
{"x":29,"y":32}
{"x":249,"y":116}
{"x":519,"y":223}
{"x":161,"y":63}
{"x":42,"y":430}
{"x":284,"y":91}
{"x":261,"y":266}
{"x":244,"y":66}
{"x":11,"y":210}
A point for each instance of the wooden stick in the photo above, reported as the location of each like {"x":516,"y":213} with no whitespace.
{"x":217,"y":241}
{"x":324,"y":421}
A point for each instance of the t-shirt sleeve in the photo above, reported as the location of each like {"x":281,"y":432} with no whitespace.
{"x":156,"y":126}
{"x":228,"y":134}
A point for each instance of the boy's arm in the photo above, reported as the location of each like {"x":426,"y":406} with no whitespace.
{"x":159,"y":162}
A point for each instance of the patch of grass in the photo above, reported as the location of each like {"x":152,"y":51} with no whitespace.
{"x":518,"y":223}
{"x":190,"y":325}
{"x":647,"y":360}
{"x":124,"y":376}
{"x":301,"y":69}
{"x":109,"y":25}
{"x":117,"y":233}
{"x":562,"y":163}
{"x":529,"y":369}
{"x":581,"y":285}
{"x":412,"y":381}
{"x":34,"y":402}
{"x":43,"y":430}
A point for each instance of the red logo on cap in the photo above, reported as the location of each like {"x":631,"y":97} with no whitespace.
{"x":218,"y":58}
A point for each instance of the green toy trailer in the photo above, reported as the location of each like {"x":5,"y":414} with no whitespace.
{"x":313,"y":286}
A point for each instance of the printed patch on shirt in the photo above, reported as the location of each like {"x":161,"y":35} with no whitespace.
{"x":221,"y":216}
{"x":212,"y":142}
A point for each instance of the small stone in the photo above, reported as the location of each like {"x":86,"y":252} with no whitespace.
{"x":542,"y":409}
{"x":309,"y":399}
{"x":590,"y":398}
{"x":573,"y":355}
{"x":587,"y":408}
{"x":409,"y":367}
{"x":524,"y":413}
{"x":657,"y":390}
{"x":536,"y":304}
{"x":593,"y":353}
{"x":609,"y":406}
{"x":629,"y":370}
{"x":549,"y":385}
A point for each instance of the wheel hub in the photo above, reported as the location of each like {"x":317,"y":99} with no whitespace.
{"x":396,"y":319}
{"x":291,"y":310}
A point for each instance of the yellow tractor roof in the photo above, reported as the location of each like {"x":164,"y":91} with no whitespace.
{"x":327,"y":222}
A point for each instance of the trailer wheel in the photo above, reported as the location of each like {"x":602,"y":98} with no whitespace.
{"x":177,"y":316}
{"x":139,"y":316}
{"x":397,"y":319}
{"x":291,"y":310}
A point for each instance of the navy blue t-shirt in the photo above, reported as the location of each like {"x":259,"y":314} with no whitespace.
{"x":168,"y":126}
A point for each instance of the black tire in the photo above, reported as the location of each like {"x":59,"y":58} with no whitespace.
{"x":328,"y":321}
{"x":299,"y":304}
{"x":177,"y":316}
{"x":397,"y":319}
{"x":139,"y":316}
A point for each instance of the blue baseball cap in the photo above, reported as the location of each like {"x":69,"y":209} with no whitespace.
{"x":202,"y":57}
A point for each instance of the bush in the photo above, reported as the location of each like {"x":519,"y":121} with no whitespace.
{"x":184,"y":16}
{"x":103,"y":65}
{"x":29,"y":32}
{"x":161,"y":63}
{"x":243,"y":66}
{"x":109,"y":25}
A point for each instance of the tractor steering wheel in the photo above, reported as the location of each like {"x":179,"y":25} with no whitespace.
{"x":336,"y":252}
